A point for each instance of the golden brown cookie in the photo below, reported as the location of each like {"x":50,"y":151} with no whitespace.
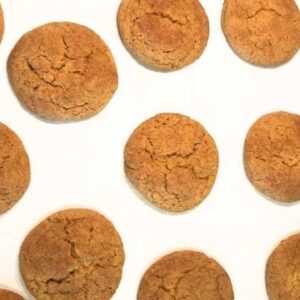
{"x":172,"y":161}
{"x":283,"y":270}
{"x":73,"y":254}
{"x":272,"y":156}
{"x":1,"y":23}
{"x":63,"y":71}
{"x":9,"y":295}
{"x":14,"y":169}
{"x":164,"y":34}
{"x":186,"y":275}
{"x":263,"y":32}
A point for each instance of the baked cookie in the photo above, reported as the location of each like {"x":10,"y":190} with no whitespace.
{"x":73,"y":254}
{"x":14,"y":169}
{"x":186,"y":275}
{"x":262,"y":32}
{"x":283,"y":270}
{"x":164,"y":34}
{"x":172,"y":161}
{"x":1,"y":23}
{"x":9,"y":295}
{"x":272,"y":156}
{"x":63,"y":71}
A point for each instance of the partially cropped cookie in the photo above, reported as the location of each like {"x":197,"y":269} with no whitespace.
{"x":265,"y":33}
{"x":14,"y":169}
{"x":9,"y":295}
{"x":1,"y":23}
{"x":272,"y":156}
{"x":172,"y":161}
{"x":283,"y":269}
{"x":186,"y":275}
{"x":63,"y":71}
{"x":164,"y":34}
{"x":73,"y":254}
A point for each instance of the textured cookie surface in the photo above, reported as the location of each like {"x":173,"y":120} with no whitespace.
{"x":272,"y":156}
{"x":172,"y":161}
{"x":186,"y":275}
{"x":1,"y":23}
{"x":8,"y":295}
{"x":164,"y":34}
{"x":62,"y":71}
{"x":73,"y":254}
{"x":14,"y":169}
{"x":263,"y":32}
{"x":283,"y":270}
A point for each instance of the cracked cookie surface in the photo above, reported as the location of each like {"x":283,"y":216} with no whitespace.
{"x":9,"y":295}
{"x":172,"y":161}
{"x":262,"y":32}
{"x":1,"y":24}
{"x":272,"y":156}
{"x":63,"y":71}
{"x":185,"y":275}
{"x":73,"y":254}
{"x":164,"y":34}
{"x":283,"y":270}
{"x":14,"y":169}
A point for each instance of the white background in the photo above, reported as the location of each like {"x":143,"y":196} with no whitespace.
{"x":81,"y":163}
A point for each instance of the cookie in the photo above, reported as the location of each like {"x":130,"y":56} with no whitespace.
{"x":73,"y":254}
{"x":62,"y":71}
{"x":283,"y":270}
{"x":164,"y":34}
{"x":186,"y":275}
{"x":272,"y":156}
{"x":1,"y":23}
{"x":14,"y":169}
{"x":9,"y":295}
{"x":172,"y":161}
{"x":264,"y":33}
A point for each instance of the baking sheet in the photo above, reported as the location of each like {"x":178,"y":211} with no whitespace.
{"x":81,"y":163}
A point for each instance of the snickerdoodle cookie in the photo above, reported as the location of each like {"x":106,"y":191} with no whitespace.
{"x":283,"y":270}
{"x":63,"y":71}
{"x":186,"y":275}
{"x":73,"y":254}
{"x":272,"y":156}
{"x":164,"y":34}
{"x":263,"y":32}
{"x":14,"y":169}
{"x":1,"y":23}
{"x":172,"y":161}
{"x":9,"y":295}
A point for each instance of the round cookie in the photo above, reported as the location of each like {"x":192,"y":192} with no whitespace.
{"x":164,"y":34}
{"x":9,"y":295}
{"x":283,"y":270}
{"x":73,"y":254}
{"x":62,"y":71}
{"x":265,"y":33}
{"x":186,"y":275}
{"x":14,"y":169}
{"x":272,"y":156}
{"x":172,"y":161}
{"x":1,"y":23}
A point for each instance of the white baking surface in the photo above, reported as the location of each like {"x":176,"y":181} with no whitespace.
{"x":81,"y":163}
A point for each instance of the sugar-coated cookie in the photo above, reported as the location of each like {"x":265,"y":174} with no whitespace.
{"x":272,"y":156}
{"x":172,"y":161}
{"x":63,"y":71}
{"x":14,"y":169}
{"x":186,"y":275}
{"x":73,"y":254}
{"x":164,"y":34}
